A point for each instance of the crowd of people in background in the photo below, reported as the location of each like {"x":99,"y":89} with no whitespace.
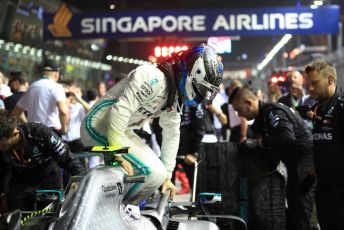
{"x":281,"y":124}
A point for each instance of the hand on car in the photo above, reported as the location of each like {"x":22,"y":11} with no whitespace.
{"x":126,"y":165}
{"x":169,"y":185}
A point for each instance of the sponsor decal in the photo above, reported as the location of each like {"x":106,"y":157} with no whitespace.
{"x":191,"y":23}
{"x":274,"y":119}
{"x":322,"y":136}
{"x":53,"y":140}
{"x":327,"y":121}
{"x":108,"y":188}
{"x":153,"y":82}
{"x":138,"y":96}
{"x":35,"y":150}
{"x":120,"y":190}
{"x":146,"y":91}
{"x":330,"y":111}
{"x":59,"y":26}
{"x":110,"y":195}
{"x":145,"y":111}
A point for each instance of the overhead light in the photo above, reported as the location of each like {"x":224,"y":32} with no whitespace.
{"x":318,"y":3}
{"x":39,"y":53}
{"x":314,"y":7}
{"x":32,"y":51}
{"x":8,"y":45}
{"x":274,"y":51}
{"x":94,"y":47}
{"x":112,"y":6}
{"x":17,"y":47}
{"x":25,"y":49}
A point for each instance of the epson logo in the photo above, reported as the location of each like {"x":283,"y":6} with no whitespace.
{"x":197,"y":23}
{"x":322,"y":136}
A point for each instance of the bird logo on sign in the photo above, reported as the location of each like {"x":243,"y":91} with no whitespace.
{"x":59,"y":27}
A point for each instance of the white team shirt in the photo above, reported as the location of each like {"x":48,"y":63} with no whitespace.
{"x":40,"y":102}
{"x":76,"y":114}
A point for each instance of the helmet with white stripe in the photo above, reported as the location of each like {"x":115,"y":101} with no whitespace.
{"x":201,"y":74}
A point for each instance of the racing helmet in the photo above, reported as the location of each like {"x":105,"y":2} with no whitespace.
{"x":201,"y":74}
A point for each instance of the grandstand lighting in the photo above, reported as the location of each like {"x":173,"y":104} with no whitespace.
{"x":27,"y":48}
{"x":274,"y":51}
{"x":52,"y":55}
{"x":17,"y":47}
{"x":94,"y":47}
{"x":280,"y":78}
{"x":108,"y":57}
{"x":39,"y":53}
{"x":318,"y":3}
{"x":157,"y":51}
{"x":8,"y":45}
{"x":164,"y":51}
{"x":274,"y":79}
{"x":32,"y":51}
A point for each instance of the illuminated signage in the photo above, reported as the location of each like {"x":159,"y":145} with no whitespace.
{"x":262,"y":21}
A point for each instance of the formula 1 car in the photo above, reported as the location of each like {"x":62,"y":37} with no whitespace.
{"x":95,"y":201}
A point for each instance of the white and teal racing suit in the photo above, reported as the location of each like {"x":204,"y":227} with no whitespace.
{"x":134,"y":100}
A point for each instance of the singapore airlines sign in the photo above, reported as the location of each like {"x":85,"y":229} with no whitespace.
{"x":262,"y":21}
